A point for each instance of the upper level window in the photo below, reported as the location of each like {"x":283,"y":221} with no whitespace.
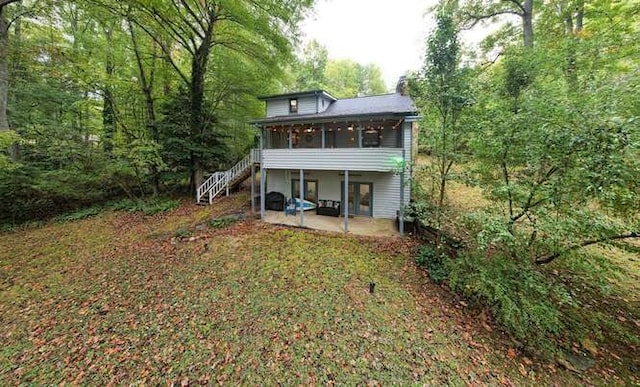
{"x":371,"y":138}
{"x":293,"y":105}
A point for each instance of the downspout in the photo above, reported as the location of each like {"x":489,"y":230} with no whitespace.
{"x":401,"y":212}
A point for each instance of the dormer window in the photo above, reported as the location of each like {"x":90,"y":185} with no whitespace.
{"x":293,"y":105}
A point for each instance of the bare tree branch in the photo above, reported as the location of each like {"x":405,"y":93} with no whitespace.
{"x":475,"y":19}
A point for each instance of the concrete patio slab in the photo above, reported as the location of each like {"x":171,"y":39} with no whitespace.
{"x":359,"y":225}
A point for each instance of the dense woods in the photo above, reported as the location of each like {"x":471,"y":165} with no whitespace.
{"x":543,"y":125}
{"x":103,"y":99}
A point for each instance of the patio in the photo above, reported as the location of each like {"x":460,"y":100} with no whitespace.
{"x":359,"y":225}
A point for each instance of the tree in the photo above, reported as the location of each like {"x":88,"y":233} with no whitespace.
{"x":197,"y":26}
{"x":4,"y":70}
{"x":344,"y":78}
{"x":476,"y":11}
{"x":440,"y":91}
{"x":548,"y":157}
{"x":311,"y":67}
{"x":347,"y":79}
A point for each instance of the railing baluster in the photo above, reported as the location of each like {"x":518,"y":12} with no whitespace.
{"x":219,"y":181}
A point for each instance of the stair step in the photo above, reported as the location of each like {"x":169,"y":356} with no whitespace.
{"x":240,"y":172}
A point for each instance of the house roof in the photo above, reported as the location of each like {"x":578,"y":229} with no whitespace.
{"x":298,"y":94}
{"x":375,"y":105}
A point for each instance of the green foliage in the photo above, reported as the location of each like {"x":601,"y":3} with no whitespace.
{"x":434,"y":262}
{"x":7,"y":139}
{"x":146,"y":206}
{"x":182,"y":233}
{"x":441,"y":92}
{"x":102,"y":98}
{"x":181,"y":144}
{"x":80,"y":214}
{"x":222,"y":222}
{"x":343,"y":78}
{"x":524,"y":301}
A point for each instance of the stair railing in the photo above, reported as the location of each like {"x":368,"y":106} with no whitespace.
{"x":220,"y":181}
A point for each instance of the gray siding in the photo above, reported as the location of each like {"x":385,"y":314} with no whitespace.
{"x":359,"y":159}
{"x":307,"y":105}
{"x":386,"y":187}
{"x":280,"y":107}
{"x":276,"y":182}
{"x":386,"y":195}
{"x":406,"y":127}
{"x":323,"y":103}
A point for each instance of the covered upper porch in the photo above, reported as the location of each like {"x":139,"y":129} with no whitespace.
{"x":381,"y":132}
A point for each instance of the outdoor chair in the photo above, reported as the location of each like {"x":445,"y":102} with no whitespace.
{"x":291,"y":207}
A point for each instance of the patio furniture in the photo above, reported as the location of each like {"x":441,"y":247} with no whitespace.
{"x":274,"y":201}
{"x":328,"y":208}
{"x":291,"y":207}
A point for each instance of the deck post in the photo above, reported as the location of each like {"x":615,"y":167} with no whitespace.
{"x":324,"y":139}
{"x":253,"y":187}
{"x":227,"y":180}
{"x":401,"y":212}
{"x":263,"y":187}
{"x":301,"y":192}
{"x":346,"y":200}
{"x":290,"y":138}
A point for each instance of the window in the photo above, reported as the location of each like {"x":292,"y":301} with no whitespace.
{"x":293,"y":105}
{"x":370,"y":138}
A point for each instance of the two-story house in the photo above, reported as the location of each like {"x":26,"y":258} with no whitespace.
{"x":355,"y":151}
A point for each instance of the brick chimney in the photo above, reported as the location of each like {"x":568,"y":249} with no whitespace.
{"x":401,"y":87}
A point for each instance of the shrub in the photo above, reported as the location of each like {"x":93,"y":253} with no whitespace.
{"x":434,"y":262}
{"x":524,"y":301}
{"x":80,"y":214}
{"x":182,"y":233}
{"x":222,"y":222}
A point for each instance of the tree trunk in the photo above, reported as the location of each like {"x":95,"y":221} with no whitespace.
{"x":527,"y":23}
{"x":146,"y":84}
{"x":4,"y":69}
{"x":108,"y":111}
{"x":198,"y":124}
{"x":573,"y":30}
{"x":4,"y":79}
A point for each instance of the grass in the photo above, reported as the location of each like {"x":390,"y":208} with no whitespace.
{"x":115,"y":298}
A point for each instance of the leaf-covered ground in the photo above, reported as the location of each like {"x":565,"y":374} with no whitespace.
{"x":119,"y":298}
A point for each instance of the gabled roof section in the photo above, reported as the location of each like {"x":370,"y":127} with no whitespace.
{"x":375,"y":105}
{"x":298,"y":94}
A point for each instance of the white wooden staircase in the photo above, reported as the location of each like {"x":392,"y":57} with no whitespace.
{"x":220,"y":182}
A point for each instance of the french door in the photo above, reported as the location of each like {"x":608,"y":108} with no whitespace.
{"x":360,"y":198}
{"x":310,"y":190}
